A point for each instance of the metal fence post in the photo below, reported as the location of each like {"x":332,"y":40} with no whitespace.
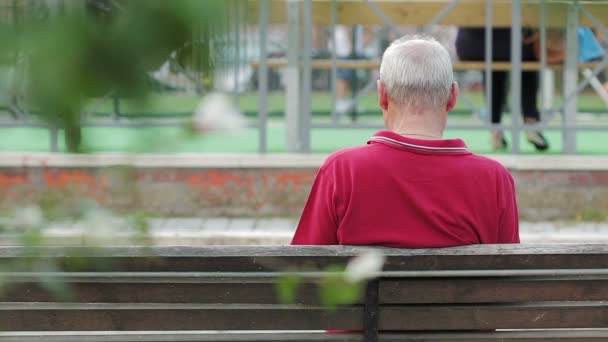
{"x":298,"y":76}
{"x":570,"y":80}
{"x":306,"y":75}
{"x":54,"y":138}
{"x":543,"y":74}
{"x":263,"y":78}
{"x":488,"y":60}
{"x":292,"y":76}
{"x":237,"y":49}
{"x":516,"y":39}
{"x":334,"y":68}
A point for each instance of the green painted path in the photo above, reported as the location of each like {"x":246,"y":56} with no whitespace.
{"x":181,"y":139}
{"x":176,"y":139}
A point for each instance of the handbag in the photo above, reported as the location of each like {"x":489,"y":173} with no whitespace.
{"x":555,"y":45}
{"x":589,"y":48}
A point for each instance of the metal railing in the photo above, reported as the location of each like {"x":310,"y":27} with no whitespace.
{"x":299,"y":67}
{"x":299,"y":119}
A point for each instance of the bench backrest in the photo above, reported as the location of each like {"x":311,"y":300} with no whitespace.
{"x":461,"y":289}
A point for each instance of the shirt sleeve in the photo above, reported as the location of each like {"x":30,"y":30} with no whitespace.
{"x":319,"y":223}
{"x":508,"y":227}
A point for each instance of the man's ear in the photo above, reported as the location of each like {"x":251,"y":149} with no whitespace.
{"x":452,"y":99}
{"x":382,"y":95}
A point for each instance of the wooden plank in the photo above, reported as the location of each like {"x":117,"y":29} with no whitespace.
{"x":511,"y":336}
{"x":468,"y":13}
{"x":492,"y":290}
{"x":393,"y":263}
{"x":302,"y":251}
{"x":277,"y":63}
{"x":252,"y":292}
{"x":392,"y":291}
{"x":177,"y":337}
{"x":161,"y":317}
{"x":275,"y":264}
{"x":266,"y":258}
{"x":500,"y":316}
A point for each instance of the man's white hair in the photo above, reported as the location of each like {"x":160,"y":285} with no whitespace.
{"x":417,"y":73}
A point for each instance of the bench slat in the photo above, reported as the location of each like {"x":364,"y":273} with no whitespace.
{"x":497,"y":290}
{"x":505,"y":316}
{"x":560,"y":336}
{"x":528,"y":250}
{"x":392,"y":291}
{"x":515,"y":336}
{"x":110,"y":317}
{"x":159,"y":317}
{"x":266,"y":258}
{"x":201,"y":293}
{"x":393,"y":263}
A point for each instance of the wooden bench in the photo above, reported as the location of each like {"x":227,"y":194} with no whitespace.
{"x":278,"y":63}
{"x":175,"y":293}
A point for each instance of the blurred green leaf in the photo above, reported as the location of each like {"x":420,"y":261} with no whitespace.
{"x":142,"y":228}
{"x":30,"y":239}
{"x":58,"y":288}
{"x":287,"y":288}
{"x":335,"y":290}
{"x":90,"y":48}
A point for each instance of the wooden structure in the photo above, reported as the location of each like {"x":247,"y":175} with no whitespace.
{"x":301,"y":16}
{"x":375,"y":65}
{"x":468,"y":13}
{"x":174,"y":293}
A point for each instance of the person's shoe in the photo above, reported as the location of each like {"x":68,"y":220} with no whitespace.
{"x":538,"y":140}
{"x":498,"y":141}
{"x":343,"y":107}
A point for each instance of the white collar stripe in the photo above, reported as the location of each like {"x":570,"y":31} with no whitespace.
{"x":420,"y":147}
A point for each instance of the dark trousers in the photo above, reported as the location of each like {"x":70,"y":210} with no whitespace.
{"x":529,"y":89}
{"x":470,"y":46}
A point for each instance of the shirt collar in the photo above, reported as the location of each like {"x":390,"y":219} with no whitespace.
{"x":438,"y":146}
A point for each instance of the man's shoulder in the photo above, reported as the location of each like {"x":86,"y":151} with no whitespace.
{"x":348,"y":155}
{"x":488,"y":164}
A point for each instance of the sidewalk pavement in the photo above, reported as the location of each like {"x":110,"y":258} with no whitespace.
{"x":255,"y":231}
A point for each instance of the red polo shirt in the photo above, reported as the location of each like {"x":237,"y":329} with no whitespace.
{"x":410,"y":193}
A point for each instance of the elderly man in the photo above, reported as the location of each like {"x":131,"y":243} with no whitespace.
{"x":409,"y":187}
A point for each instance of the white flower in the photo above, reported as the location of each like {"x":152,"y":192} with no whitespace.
{"x":30,"y":216}
{"x":216,"y":112}
{"x":365,"y":266}
{"x":100,"y":226}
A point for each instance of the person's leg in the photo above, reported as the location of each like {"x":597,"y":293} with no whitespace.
{"x":342,"y":88}
{"x":343,"y":100}
{"x":529,"y":92}
{"x":343,"y":49}
{"x":470,"y":46}
{"x":499,"y":96}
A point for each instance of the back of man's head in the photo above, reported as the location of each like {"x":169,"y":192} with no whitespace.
{"x":417,"y":74}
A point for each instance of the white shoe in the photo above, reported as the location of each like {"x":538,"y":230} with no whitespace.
{"x":343,"y":107}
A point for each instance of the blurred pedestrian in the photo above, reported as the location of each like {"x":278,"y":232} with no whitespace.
{"x":470,"y":46}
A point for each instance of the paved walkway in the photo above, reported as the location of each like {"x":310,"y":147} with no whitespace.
{"x":252,"y":231}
